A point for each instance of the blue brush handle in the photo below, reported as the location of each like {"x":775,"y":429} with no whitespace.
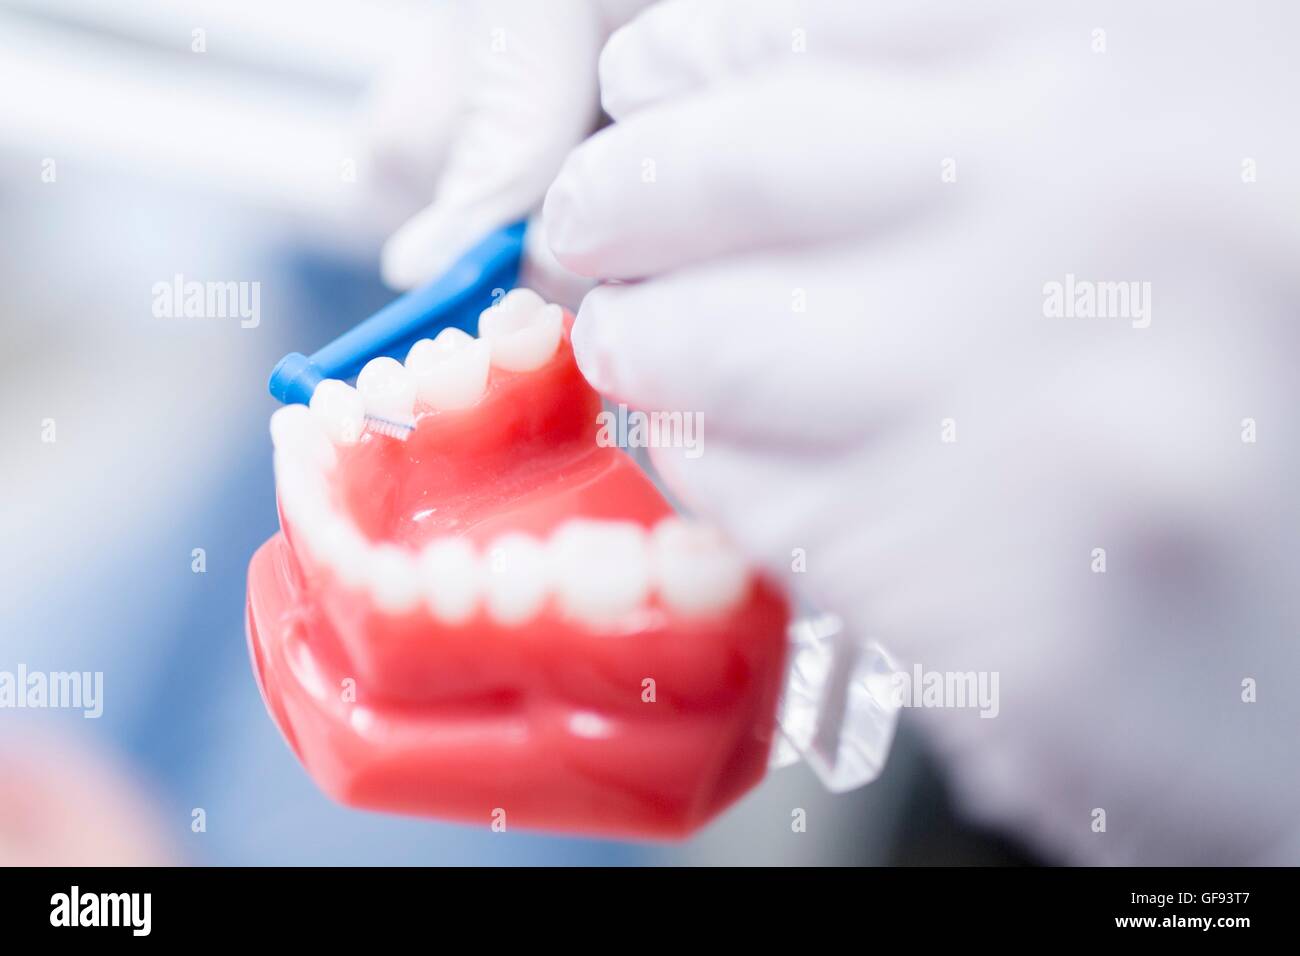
{"x":453,"y":300}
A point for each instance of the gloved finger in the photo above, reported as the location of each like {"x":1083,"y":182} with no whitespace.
{"x":409,"y":117}
{"x":544,"y":275}
{"x":711,"y":341}
{"x":682,"y":46}
{"x":532,"y":96}
{"x":769,"y":163}
{"x":708,"y":342}
{"x":763,"y":344}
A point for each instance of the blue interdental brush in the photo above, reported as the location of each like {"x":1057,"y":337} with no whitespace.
{"x":453,"y":300}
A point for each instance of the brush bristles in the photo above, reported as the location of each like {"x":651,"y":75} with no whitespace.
{"x":383,"y":426}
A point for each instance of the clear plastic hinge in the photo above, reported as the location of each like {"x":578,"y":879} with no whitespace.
{"x":837,"y":711}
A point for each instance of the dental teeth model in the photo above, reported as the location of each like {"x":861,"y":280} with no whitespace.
{"x":340,"y":409}
{"x":387,"y":389}
{"x":522,"y":330}
{"x":451,"y":370}
{"x":473,"y":607}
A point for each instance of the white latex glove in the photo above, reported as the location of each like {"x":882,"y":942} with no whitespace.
{"x":478,"y":112}
{"x":815,"y":287}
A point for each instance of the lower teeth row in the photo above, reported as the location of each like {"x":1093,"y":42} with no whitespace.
{"x":597,"y":571}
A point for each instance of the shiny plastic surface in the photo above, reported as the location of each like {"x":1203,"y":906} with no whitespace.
{"x":838,"y":709}
{"x":647,"y":727}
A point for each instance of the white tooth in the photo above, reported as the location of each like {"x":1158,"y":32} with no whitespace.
{"x":449,"y":572}
{"x":523,"y":330}
{"x":340,"y":409}
{"x":516,"y":578}
{"x":312,"y":530}
{"x":601,"y":568}
{"x":388,"y":390}
{"x":697,"y":571}
{"x":451,"y":371}
{"x":343,"y":548}
{"x":295,"y":431}
{"x":301,"y":488}
{"x":523,"y":301}
{"x":394,"y":581}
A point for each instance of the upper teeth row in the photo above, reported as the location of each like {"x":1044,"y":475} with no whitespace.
{"x":518,"y":334}
{"x":595,"y":570}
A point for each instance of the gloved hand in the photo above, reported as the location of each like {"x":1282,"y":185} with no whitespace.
{"x":478,"y":112}
{"x":854,"y":231}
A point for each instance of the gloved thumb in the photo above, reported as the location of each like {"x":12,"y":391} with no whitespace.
{"x":532,"y":95}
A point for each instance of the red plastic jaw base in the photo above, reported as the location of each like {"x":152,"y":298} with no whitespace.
{"x":566,"y":735}
{"x":645,"y":728}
